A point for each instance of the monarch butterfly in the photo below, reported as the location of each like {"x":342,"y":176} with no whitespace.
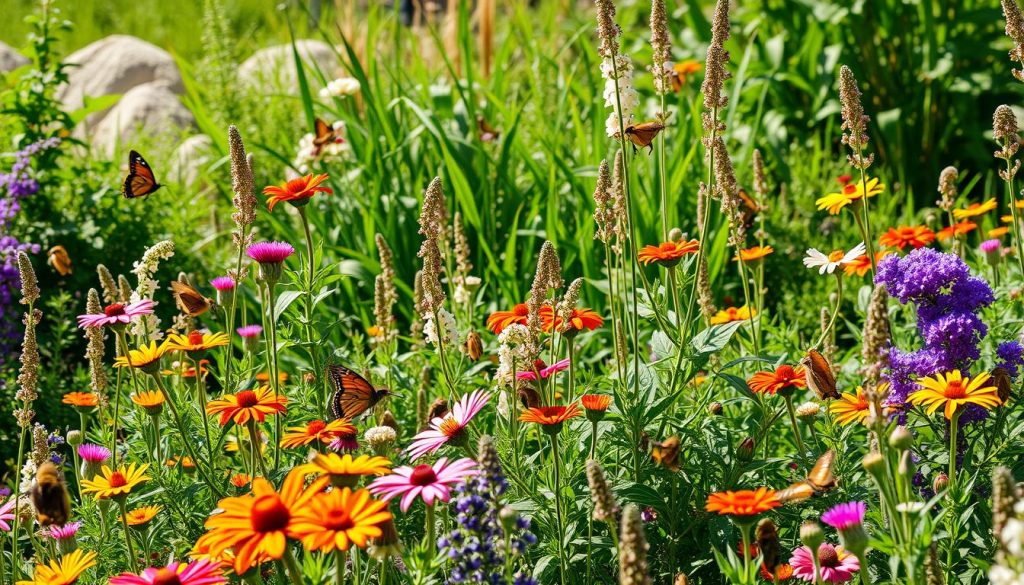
{"x":353,"y":394}
{"x":819,"y":375}
{"x":190,"y":300}
{"x":819,"y":481}
{"x":667,"y":453}
{"x":59,"y":260}
{"x":140,"y":180}
{"x":487,"y":132}
{"x":643,"y":134}
{"x":323,"y":134}
{"x":50,"y":497}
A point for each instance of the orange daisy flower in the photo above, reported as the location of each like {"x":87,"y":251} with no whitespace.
{"x":184,"y":461}
{"x":65,"y":571}
{"x":975,"y":209}
{"x":298,"y":191}
{"x":783,"y":377}
{"x":264,"y":377}
{"x":81,"y":399}
{"x":141,"y":516}
{"x":851,"y":408}
{"x":667,"y":253}
{"x":742,"y":502}
{"x":733,"y":314}
{"x":240,"y":480}
{"x":315,"y":430}
{"x":579,"y":320}
{"x":905,"y":235}
{"x":753,"y":254}
{"x":957,"y":229}
{"x":783,"y":572}
{"x":861,"y":265}
{"x":998,"y":232}
{"x":152,"y":401}
{"x":550,"y":417}
{"x":255,"y":526}
{"x":338,"y":519}
{"x":247,"y":404}
{"x":599,"y":402}
{"x":499,"y":320}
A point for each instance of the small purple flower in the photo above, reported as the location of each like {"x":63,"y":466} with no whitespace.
{"x":93,"y":453}
{"x":66,"y":532}
{"x":845,"y":516}
{"x":250,"y":331}
{"x":270,"y":252}
{"x":223,"y":283}
{"x":1011,"y":357}
{"x":990,"y":246}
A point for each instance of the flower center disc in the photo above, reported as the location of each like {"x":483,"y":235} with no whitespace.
{"x":269,"y":514}
{"x":195,"y":338}
{"x":117,"y":480}
{"x":827,"y":556}
{"x":165,"y":576}
{"x":836,"y":256}
{"x":339,"y":520}
{"x":247,"y":399}
{"x":314,"y":427}
{"x":955,"y":389}
{"x":422,"y":475}
{"x":114,"y":310}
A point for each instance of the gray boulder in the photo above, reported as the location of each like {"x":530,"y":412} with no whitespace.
{"x":151,"y":107}
{"x":11,"y":59}
{"x":276,"y":65}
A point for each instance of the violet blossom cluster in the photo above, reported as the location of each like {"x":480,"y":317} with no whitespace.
{"x":476,"y":547}
{"x":948,"y":299}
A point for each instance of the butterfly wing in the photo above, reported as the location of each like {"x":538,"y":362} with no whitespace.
{"x":189,"y":299}
{"x":796,"y":492}
{"x":59,"y":260}
{"x":323,"y":131}
{"x":819,"y":375}
{"x":667,"y":453}
{"x":643,"y":134}
{"x":353,"y":394}
{"x":821,"y":477}
{"x":140,"y":180}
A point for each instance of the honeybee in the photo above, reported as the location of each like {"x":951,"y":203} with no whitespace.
{"x":50,"y":496}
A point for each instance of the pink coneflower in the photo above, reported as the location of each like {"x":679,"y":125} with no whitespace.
{"x":345,"y":441}
{"x":545,"y":372}
{"x":837,"y":565}
{"x":451,"y":428}
{"x":202,"y":572}
{"x":66,"y":532}
{"x":116,"y":314}
{"x":430,"y":482}
{"x":845,"y":516}
{"x":7,"y":515}
{"x":93,"y":453}
{"x":270,"y":252}
{"x":249,"y":331}
{"x":223,"y":283}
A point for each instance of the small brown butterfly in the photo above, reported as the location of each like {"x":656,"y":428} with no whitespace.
{"x":323,"y":135}
{"x":50,"y":496}
{"x":487,"y":133}
{"x":60,"y":261}
{"x":643,"y":134}
{"x":1003,"y":384}
{"x":819,"y":481}
{"x":528,"y":396}
{"x":140,"y":180}
{"x":353,"y":394}
{"x":750,"y":208}
{"x":190,"y":300}
{"x":819,"y":375}
{"x":667,"y":453}
{"x":438,"y":409}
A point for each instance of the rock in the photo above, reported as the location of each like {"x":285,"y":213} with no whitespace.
{"x":151,"y":107}
{"x":114,"y":65}
{"x":10,"y":59}
{"x":189,"y":158}
{"x":275,"y":65}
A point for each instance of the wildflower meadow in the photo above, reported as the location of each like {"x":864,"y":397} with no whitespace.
{"x":527,"y":292}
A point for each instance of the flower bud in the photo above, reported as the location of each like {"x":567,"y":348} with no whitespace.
{"x":811,"y":534}
{"x":874,"y":464}
{"x":75,"y":438}
{"x":508,"y":518}
{"x":901,"y":438}
{"x":907,"y":468}
{"x":745,"y":452}
{"x":309,"y":378}
{"x":675,"y":234}
{"x":940,"y":483}
{"x":715,"y":408}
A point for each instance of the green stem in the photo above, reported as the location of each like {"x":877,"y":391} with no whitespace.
{"x":257,"y":455}
{"x":308,"y":305}
{"x":796,"y":429}
{"x":127,"y":534}
{"x":294,"y":573}
{"x":954,"y":428}
{"x":835,"y":311}
{"x":15,"y":559}
{"x":431,"y":541}
{"x":274,"y":381}
{"x":1013,"y":211}
{"x":185,"y":439}
{"x":339,"y":566}
{"x":558,"y":506}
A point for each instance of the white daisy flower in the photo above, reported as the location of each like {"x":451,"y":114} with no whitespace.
{"x":829,"y":262}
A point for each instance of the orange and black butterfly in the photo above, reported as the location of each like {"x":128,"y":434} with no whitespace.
{"x":190,"y":300}
{"x":750,"y":208}
{"x":819,"y":481}
{"x":60,"y":261}
{"x":667,"y":453}
{"x":819,"y":375}
{"x":643,"y":134}
{"x":353,"y":394}
{"x":140,"y":180}
{"x":323,"y":134}
{"x":487,"y":132}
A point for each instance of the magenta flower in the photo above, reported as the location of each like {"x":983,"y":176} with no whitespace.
{"x":66,"y":532}
{"x":249,"y":331}
{"x":7,"y":515}
{"x":990,"y":246}
{"x":117,"y":314}
{"x":270,"y":252}
{"x":203,"y":572}
{"x":845,"y":516}
{"x":223,"y":283}
{"x":93,"y":453}
{"x":430,"y":482}
{"x":451,"y":428}
{"x":545,"y":372}
{"x":837,"y":565}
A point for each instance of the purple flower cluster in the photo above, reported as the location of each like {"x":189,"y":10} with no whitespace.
{"x":948,"y":300}
{"x":19,"y":183}
{"x":476,"y":547}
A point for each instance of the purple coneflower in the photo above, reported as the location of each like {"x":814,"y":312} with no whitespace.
{"x":7,"y":515}
{"x":451,"y":427}
{"x":93,"y":453}
{"x":117,"y":314}
{"x":836,"y":565}
{"x":66,"y":532}
{"x":848,"y":519}
{"x":545,"y":372}
{"x":430,"y":482}
{"x":250,"y":331}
